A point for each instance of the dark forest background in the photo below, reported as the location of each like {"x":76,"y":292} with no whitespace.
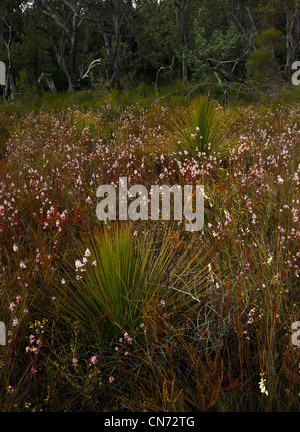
{"x":229,"y":44}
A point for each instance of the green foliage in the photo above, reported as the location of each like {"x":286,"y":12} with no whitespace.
{"x":31,"y":54}
{"x":4,"y":136}
{"x":130,"y":273}
{"x":24,"y":90}
{"x":156,"y":36}
{"x":271,"y":38}
{"x":207,"y":321}
{"x":263,"y":63}
{"x":98,"y":84}
{"x":212,"y":48}
{"x":204,"y":127}
{"x":143,"y":89}
{"x":219,"y":38}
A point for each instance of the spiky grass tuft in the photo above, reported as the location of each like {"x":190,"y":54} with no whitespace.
{"x":203,"y":128}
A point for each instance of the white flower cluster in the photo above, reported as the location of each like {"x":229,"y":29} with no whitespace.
{"x":80,"y":265}
{"x":262,"y":384}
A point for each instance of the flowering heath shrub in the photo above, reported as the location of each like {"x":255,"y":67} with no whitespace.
{"x":142,"y":315}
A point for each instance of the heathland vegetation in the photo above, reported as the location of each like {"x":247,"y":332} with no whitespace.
{"x":143,"y":315}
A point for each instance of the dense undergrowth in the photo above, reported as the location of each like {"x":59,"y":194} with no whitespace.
{"x":143,"y":316}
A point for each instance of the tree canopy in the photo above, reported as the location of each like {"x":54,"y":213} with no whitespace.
{"x":124,"y":42}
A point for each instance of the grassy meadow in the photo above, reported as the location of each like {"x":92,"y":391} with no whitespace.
{"x":143,"y":315}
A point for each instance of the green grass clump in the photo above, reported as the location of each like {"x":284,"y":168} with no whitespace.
{"x":203,"y":128}
{"x":121,"y":275}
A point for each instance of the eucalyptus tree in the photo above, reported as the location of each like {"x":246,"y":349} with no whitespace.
{"x":62,"y":22}
{"x":109,"y":18}
{"x":292,"y":38}
{"x":10,"y":26}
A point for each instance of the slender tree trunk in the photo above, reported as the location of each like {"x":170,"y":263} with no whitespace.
{"x":292,"y":40}
{"x":2,"y":45}
{"x":69,"y":22}
{"x":60,"y":57}
{"x":115,"y":79}
{"x":181,"y":18}
{"x":73,"y":52}
{"x":112,"y":57}
{"x":112,"y":40}
{"x":9,"y":86}
{"x":184,"y":63}
{"x":73,"y":64}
